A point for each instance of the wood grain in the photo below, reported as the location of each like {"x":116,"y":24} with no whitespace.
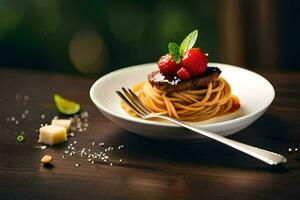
{"x":150,"y":169}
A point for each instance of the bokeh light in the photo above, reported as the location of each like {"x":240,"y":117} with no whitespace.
{"x":11,"y":16}
{"x":48,"y":14}
{"x":174,"y":22}
{"x":37,"y":34}
{"x":87,"y":51}
{"x":126,"y":22}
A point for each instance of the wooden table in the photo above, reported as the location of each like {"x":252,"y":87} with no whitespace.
{"x":149,"y":169}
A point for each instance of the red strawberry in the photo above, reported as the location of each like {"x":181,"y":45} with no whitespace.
{"x":194,"y":61}
{"x":183,"y":74}
{"x":167,"y":65}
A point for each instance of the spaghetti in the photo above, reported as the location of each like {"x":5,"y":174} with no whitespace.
{"x":189,"y":105}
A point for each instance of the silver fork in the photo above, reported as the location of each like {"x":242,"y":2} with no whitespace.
{"x":137,"y":106}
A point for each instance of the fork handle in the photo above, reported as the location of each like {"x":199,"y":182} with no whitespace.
{"x":266,"y":156}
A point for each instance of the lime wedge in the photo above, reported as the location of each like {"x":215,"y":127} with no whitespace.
{"x":65,"y":106}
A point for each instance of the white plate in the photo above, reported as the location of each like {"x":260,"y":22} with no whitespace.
{"x":254,"y":91}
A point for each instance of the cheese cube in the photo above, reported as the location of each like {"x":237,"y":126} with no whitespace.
{"x":52,"y":134}
{"x":66,"y":123}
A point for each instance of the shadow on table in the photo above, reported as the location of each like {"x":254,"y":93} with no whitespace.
{"x":268,"y":132}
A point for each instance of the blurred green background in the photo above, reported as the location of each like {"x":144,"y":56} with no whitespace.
{"x":93,"y":37}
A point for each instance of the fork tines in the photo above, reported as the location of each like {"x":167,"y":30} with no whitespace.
{"x":133,"y":102}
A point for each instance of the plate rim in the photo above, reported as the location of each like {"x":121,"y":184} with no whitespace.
{"x":149,"y":122}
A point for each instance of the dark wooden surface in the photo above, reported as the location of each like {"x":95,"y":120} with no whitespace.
{"x":150,"y":169}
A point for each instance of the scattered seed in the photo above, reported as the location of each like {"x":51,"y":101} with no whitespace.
{"x":43,"y":116}
{"x":77,"y":165}
{"x":43,"y":147}
{"x":12,"y":119}
{"x":18,"y":96}
{"x":110,"y":148}
{"x":101,"y":144}
{"x":17,"y":122}
{"x":92,"y":154}
{"x":296,"y":149}
{"x":84,"y":114}
{"x":26,"y":97}
{"x":290,"y":150}
{"x":26,"y":112}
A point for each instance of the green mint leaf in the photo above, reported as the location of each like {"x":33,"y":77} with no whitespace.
{"x":174,"y":51}
{"x":188,"y":42}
